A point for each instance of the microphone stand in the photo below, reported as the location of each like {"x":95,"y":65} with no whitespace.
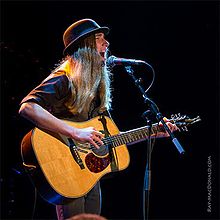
{"x":153,"y":108}
{"x":147,"y":176}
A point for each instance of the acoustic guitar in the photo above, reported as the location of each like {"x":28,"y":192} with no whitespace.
{"x":61,"y":168}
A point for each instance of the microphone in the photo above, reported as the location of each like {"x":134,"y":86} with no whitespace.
{"x":112,"y":61}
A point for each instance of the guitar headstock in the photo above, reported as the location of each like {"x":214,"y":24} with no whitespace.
{"x":182,"y":121}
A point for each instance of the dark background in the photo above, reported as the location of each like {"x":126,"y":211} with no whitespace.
{"x":181,"y":41}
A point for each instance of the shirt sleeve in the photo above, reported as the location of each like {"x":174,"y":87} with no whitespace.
{"x":51,"y":92}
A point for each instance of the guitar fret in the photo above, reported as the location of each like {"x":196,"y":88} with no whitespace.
{"x":130,"y":137}
{"x":134,"y":136}
{"x":138,"y":136}
{"x":145,"y":132}
{"x":116,"y":141}
{"x":123,"y":139}
{"x":126,"y":138}
{"x":154,"y":130}
{"x":142,"y":134}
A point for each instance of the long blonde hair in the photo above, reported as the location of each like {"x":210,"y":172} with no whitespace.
{"x":88,"y":78}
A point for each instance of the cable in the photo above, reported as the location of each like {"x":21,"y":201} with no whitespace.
{"x":147,"y":179}
{"x":153,"y":72}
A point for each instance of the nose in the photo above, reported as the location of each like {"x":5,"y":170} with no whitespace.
{"x":106,"y":43}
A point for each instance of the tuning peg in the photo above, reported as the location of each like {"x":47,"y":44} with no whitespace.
{"x":184,"y":128}
{"x":198,"y":119}
{"x":172,"y":116}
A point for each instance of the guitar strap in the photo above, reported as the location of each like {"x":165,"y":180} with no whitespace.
{"x":111,"y":149}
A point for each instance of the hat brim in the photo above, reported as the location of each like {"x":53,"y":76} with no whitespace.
{"x":73,"y":43}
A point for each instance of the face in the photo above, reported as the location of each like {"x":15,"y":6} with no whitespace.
{"x":101,"y":44}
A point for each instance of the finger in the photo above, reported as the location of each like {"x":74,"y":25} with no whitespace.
{"x":175,"y":128}
{"x":94,"y":144}
{"x":166,"y":119}
{"x":169,"y":126}
{"x":97,"y":133}
{"x":98,"y":139}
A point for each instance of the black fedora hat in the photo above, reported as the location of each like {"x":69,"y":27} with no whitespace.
{"x":78,"y":31}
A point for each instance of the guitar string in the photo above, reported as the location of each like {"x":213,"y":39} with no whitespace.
{"x":127,"y":137}
{"x":132,"y":136}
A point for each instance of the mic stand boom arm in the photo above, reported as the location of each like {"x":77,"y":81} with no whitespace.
{"x":154,"y":109}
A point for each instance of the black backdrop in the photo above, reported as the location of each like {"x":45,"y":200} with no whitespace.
{"x":181,"y":41}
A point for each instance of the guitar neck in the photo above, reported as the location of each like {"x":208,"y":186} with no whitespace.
{"x":132,"y":136}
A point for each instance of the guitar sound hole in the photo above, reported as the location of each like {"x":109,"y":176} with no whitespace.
{"x":102,"y":151}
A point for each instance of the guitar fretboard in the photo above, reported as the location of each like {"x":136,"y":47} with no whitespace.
{"x":132,"y":136}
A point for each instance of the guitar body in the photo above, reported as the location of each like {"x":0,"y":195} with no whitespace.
{"x":62,"y":169}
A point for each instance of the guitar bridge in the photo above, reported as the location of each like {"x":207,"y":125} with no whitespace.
{"x":75,"y":154}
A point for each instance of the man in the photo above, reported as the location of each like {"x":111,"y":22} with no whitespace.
{"x":77,"y":90}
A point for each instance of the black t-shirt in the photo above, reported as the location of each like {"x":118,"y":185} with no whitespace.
{"x":52,"y":95}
